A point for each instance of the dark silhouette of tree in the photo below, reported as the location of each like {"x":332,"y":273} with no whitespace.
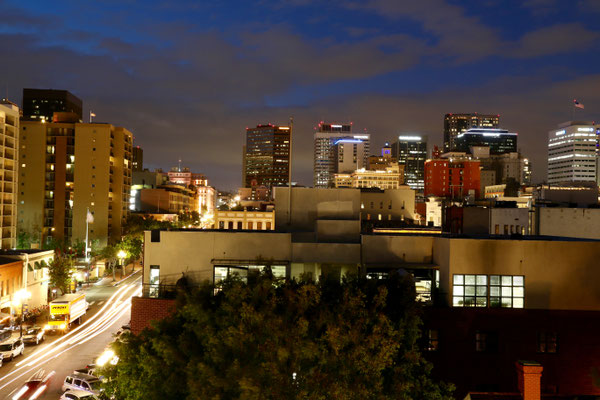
{"x":281,"y":339}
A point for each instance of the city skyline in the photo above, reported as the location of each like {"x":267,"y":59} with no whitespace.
{"x":403,"y":70}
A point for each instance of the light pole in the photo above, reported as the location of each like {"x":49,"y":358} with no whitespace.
{"x":20,"y":297}
{"x":121,"y":256}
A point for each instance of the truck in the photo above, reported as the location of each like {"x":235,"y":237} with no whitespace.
{"x":66,"y":310}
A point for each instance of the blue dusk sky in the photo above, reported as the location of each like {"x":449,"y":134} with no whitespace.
{"x":187,"y":77}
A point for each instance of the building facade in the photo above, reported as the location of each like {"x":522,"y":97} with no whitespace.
{"x":245,"y":220}
{"x":454,"y":178}
{"x":499,"y":141}
{"x":9,"y":134}
{"x":41,"y":104}
{"x":349,"y":155}
{"x":138,"y":159}
{"x":325,"y":164}
{"x":267,"y":157}
{"x":68,"y":168}
{"x":168,"y":199}
{"x":411,"y":152}
{"x":572,"y":153}
{"x":455,"y":124}
{"x":390,"y":178}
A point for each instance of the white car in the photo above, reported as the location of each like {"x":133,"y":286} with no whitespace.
{"x":11,"y":348}
{"x":83,"y":382}
{"x":78,"y":395}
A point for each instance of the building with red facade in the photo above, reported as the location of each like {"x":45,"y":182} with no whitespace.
{"x":454,"y":178}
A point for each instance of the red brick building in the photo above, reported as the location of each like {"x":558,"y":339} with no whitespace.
{"x":452,"y":178}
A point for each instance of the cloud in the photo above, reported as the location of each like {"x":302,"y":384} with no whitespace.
{"x":557,"y":39}
{"x":541,"y":8}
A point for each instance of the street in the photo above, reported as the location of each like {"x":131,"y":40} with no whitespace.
{"x":109,"y":310}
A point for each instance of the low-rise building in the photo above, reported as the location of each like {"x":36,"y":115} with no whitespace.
{"x":244,"y":220}
{"x":389,"y":178}
{"x":168,"y":199}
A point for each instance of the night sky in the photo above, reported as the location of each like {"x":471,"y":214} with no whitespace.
{"x":187,"y":77}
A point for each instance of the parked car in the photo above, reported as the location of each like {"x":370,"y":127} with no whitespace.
{"x":85,"y":382}
{"x":78,"y":395}
{"x":89,"y":369}
{"x":33,"y":387}
{"x":11,"y":348}
{"x":34,"y":335}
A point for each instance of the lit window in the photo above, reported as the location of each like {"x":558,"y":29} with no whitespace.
{"x":433,"y":342}
{"x":470,"y":291}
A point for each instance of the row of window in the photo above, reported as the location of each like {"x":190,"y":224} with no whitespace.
{"x":488,"y":291}
{"x":487,"y":341}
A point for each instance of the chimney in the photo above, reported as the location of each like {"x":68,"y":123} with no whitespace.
{"x":530,"y":377}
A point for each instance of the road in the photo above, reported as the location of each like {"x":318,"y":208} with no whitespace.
{"x":110,"y":310}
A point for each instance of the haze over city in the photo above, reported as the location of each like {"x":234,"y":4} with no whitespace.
{"x":187,"y":78}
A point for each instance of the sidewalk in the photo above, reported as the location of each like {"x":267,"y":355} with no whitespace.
{"x":108,"y":279}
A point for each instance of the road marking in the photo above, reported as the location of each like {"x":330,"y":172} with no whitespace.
{"x":92,"y":303}
{"x":102,"y":302}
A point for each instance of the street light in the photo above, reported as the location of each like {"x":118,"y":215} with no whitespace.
{"x":19,"y":298}
{"x":121,"y":256}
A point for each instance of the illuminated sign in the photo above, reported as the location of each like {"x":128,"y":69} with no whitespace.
{"x":361,"y":136}
{"x":59,"y":309}
{"x":409,"y":138}
{"x":335,"y":126}
{"x":585,"y":129}
{"x":560,"y":132}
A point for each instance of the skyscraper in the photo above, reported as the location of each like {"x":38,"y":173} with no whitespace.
{"x":455,"y":124}
{"x":572,"y":153}
{"x":138,"y":159}
{"x":411,"y":151}
{"x":326,"y":154}
{"x":267,"y":160}
{"x":9,"y":134}
{"x":500,"y":141}
{"x":41,"y":104}
{"x":69,"y":167}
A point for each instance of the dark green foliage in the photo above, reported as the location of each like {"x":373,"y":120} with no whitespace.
{"x":274,"y":339}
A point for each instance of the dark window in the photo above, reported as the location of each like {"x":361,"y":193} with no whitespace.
{"x":432,"y":340}
{"x":546,"y":342}
{"x":155,"y":235}
{"x":486,"y":342}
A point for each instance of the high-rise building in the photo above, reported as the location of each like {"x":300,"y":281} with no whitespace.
{"x":572,"y":153}
{"x":349,"y":155}
{"x":267,"y":160}
{"x":138,"y":159}
{"x":455,"y":124}
{"x":9,"y":134}
{"x":69,"y":167}
{"x":41,"y":104}
{"x":411,"y":151}
{"x":325,"y":151}
{"x":500,"y":141}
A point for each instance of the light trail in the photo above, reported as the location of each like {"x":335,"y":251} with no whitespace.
{"x":115,"y":307}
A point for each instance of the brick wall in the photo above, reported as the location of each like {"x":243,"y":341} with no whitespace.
{"x":144,"y":310}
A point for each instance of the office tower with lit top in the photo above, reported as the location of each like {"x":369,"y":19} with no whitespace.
{"x":67,"y":168}
{"x":455,"y":124}
{"x":138,"y":159}
{"x":411,"y":151}
{"x":499,"y":141}
{"x":326,"y":151}
{"x":41,"y":104}
{"x":267,"y":157}
{"x":9,"y":134}
{"x":572,"y":153}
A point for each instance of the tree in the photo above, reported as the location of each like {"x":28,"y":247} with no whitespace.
{"x":60,"y":270}
{"x":277,"y":339}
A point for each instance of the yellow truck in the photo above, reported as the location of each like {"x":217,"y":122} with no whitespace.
{"x":65,"y":310}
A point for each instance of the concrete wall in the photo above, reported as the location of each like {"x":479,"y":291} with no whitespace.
{"x":382,"y":249}
{"x":399,"y":204}
{"x":310,"y":204}
{"x":193,"y":252}
{"x":569,"y":222}
{"x":483,"y":220}
{"x":558,"y":274}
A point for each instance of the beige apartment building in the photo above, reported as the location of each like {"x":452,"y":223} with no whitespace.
{"x":9,"y":134}
{"x":250,"y":220}
{"x":69,"y":167}
{"x":392,"y":177}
